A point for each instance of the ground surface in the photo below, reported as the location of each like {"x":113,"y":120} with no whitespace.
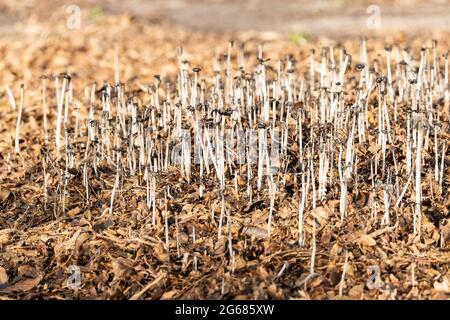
{"x":122,"y":254}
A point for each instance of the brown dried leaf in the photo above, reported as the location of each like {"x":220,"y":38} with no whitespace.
{"x":220,"y":245}
{"x":366,"y":240}
{"x":74,"y":212}
{"x":169,"y":295}
{"x":3,"y":276}
{"x":446,"y":231}
{"x":4,"y":194}
{"x":357,"y":291}
{"x":285,"y":212}
{"x":31,"y":278}
{"x":256,"y":232}
{"x":23,"y":285}
{"x":321,"y":214}
{"x":335,"y":251}
{"x":120,"y":267}
{"x":27,"y":271}
{"x":444,"y":285}
{"x":161,"y":254}
{"x":5,"y":236}
{"x":239,"y":263}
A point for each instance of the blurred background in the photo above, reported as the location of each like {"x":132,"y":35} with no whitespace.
{"x":296,"y":18}
{"x":79,"y":36}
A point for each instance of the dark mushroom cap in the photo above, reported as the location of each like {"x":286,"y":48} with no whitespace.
{"x":261,"y":125}
{"x":360,"y":66}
